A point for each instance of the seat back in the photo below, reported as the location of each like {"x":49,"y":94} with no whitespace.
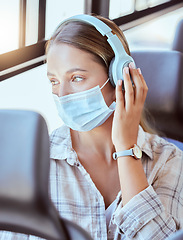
{"x":163,"y":72}
{"x":176,"y":236}
{"x":24,"y":159}
{"x":25,"y":205}
{"x":177,"y":44}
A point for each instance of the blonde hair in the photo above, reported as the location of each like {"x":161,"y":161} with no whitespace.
{"x":85,"y":37}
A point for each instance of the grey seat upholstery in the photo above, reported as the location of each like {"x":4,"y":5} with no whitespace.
{"x":176,"y":236}
{"x":25,"y":205}
{"x":163,"y":73}
{"x":175,"y":142}
{"x":177,"y":44}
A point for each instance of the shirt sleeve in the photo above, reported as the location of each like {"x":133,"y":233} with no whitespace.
{"x":6,"y":235}
{"x":157,"y":211}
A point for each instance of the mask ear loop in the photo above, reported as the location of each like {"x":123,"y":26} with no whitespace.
{"x":104,"y":84}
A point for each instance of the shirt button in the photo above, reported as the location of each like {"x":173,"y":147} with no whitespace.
{"x":122,"y":231}
{"x":109,"y":231}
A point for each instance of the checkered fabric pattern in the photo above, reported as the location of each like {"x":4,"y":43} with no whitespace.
{"x":153,"y":214}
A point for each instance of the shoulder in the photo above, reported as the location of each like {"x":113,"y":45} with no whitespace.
{"x":162,"y":150}
{"x":165,"y":167}
{"x":59,"y":135}
{"x":60,"y":143}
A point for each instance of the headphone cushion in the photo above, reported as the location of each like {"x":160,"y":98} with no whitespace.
{"x":110,"y":73}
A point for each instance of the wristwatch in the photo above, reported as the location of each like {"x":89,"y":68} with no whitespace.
{"x":135,"y":152}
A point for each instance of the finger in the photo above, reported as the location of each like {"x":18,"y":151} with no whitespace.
{"x":129,"y":92}
{"x":143,"y":82}
{"x":139,"y":86}
{"x":119,"y":96}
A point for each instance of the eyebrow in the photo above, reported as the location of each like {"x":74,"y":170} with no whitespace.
{"x":70,"y":71}
{"x":49,"y":74}
{"x":76,"y":69}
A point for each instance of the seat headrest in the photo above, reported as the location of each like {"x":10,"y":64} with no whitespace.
{"x":163,"y":73}
{"x":25,"y":205}
{"x":177,"y":44}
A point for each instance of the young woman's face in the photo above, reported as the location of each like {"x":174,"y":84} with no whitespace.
{"x":72,"y":70}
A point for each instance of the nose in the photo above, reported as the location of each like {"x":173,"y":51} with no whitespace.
{"x":61,"y":89}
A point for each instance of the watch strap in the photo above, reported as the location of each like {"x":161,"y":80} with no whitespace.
{"x":123,"y":153}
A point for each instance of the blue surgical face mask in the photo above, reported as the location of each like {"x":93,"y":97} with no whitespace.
{"x":83,"y":111}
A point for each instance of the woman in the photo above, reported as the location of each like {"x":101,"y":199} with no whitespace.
{"x":140,"y":199}
{"x":131,"y":197}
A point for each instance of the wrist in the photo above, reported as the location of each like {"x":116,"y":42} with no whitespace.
{"x":123,"y":147}
{"x":134,"y":151}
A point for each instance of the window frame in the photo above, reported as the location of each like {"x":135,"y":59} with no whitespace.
{"x":28,"y":57}
{"x":141,"y":16}
{"x":25,"y":57}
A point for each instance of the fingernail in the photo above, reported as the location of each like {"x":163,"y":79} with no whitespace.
{"x":126,"y":69}
{"x":139,"y":70}
{"x":119,"y":82}
{"x":132,"y":65}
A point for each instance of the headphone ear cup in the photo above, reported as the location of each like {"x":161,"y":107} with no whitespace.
{"x":111,"y":74}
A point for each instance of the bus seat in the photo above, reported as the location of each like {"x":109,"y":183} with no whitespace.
{"x":163,"y":73}
{"x":175,"y":142}
{"x":177,"y":44}
{"x":176,"y":236}
{"x":25,"y":205}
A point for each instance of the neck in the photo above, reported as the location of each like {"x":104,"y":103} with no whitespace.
{"x":97,"y":141}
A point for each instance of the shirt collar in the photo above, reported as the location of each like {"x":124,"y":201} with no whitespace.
{"x":143,"y":141}
{"x":61,"y":145}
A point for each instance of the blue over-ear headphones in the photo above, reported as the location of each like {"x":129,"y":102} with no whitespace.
{"x":121,"y":59}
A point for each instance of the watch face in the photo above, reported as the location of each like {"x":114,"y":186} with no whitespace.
{"x":137,"y":152}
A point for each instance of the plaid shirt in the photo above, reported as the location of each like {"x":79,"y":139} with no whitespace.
{"x":153,"y":214}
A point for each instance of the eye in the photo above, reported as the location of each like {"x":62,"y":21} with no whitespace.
{"x":77,"y":78}
{"x":54,"y":82}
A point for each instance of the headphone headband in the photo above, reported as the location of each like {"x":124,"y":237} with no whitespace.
{"x":121,"y":59}
{"x":103,"y":28}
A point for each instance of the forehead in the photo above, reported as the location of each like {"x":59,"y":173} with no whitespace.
{"x":64,"y":56}
{"x":67,"y":52}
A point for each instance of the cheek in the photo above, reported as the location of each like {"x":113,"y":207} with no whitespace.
{"x":56,"y":90}
{"x":109,"y":94}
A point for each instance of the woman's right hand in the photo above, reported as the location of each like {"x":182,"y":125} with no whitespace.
{"x":129,"y":106}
